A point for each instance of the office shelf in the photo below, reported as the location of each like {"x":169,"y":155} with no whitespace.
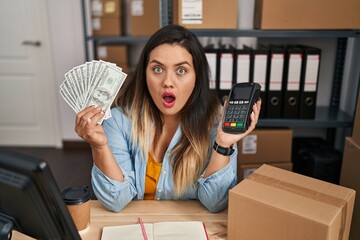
{"x":329,"y":117}
{"x":236,"y":33}
{"x":325,"y":118}
{"x":127,"y":40}
{"x":278,"y":33}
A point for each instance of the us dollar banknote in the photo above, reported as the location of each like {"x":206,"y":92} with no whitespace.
{"x":94,"y":83}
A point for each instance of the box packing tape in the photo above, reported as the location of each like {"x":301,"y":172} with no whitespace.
{"x":304,"y":192}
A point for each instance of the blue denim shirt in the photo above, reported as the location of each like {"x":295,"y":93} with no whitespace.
{"x":212,"y":191}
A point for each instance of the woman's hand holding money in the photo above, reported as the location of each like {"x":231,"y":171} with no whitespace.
{"x":87,"y":126}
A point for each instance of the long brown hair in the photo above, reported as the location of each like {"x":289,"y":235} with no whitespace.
{"x":190,"y":155}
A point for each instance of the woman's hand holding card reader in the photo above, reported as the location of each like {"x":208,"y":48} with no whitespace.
{"x":239,"y":107}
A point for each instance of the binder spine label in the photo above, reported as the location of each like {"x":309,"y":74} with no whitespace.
{"x":243,"y":68}
{"x":277,"y":65}
{"x":311,"y":74}
{"x":226,"y":71}
{"x":260,"y":70}
{"x":294,"y":68}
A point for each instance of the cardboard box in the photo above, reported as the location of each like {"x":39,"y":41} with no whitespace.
{"x":103,"y":26}
{"x":273,"y":203}
{"x":143,"y":18}
{"x":115,"y":54}
{"x":266,"y":146}
{"x":350,"y":178}
{"x":307,"y":14}
{"x":106,"y":8}
{"x":244,"y":170}
{"x":209,"y":14}
{"x":356,"y":126}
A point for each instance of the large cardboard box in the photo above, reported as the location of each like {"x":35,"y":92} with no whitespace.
{"x":273,"y":203}
{"x":356,"y":126}
{"x":244,"y":170}
{"x":143,"y":17}
{"x":266,"y":146}
{"x":104,"y":26}
{"x":350,"y":178}
{"x":307,"y":14}
{"x":209,"y":14}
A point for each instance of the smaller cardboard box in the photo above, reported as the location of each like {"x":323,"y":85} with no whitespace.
{"x":106,"y":8}
{"x":356,"y":126}
{"x":266,"y":146}
{"x":115,"y":54}
{"x":349,"y":177}
{"x":244,"y":170}
{"x":273,"y":203}
{"x":307,"y":14}
{"x":104,"y":26}
{"x":209,"y":14}
{"x":143,"y":17}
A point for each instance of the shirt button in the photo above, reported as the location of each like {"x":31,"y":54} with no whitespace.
{"x":157,"y":198}
{"x":164,"y":172}
{"x":159,"y":190}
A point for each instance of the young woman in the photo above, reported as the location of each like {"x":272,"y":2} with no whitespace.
{"x":158,"y":144}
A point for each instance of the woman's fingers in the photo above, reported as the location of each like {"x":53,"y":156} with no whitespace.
{"x":87,"y":127}
{"x":82,"y":113}
{"x":254,"y":116}
{"x":256,"y":110}
{"x":96,"y":118}
{"x":88,"y":117}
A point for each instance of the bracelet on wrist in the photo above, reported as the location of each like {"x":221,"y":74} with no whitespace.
{"x":223,"y":150}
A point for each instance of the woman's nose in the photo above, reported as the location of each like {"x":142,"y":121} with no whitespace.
{"x":169,"y":79}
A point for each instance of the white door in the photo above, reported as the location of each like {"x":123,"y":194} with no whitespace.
{"x":28,"y":111}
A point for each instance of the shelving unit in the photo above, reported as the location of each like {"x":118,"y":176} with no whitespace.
{"x":330,"y":117}
{"x":118,"y":40}
{"x":278,"y":33}
{"x":325,"y":118}
{"x":228,"y":33}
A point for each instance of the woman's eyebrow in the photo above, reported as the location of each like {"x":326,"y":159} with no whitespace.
{"x":184,"y":62}
{"x":177,"y":64}
{"x":155,"y":61}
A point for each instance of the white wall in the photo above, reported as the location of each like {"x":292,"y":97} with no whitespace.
{"x":66,"y":32}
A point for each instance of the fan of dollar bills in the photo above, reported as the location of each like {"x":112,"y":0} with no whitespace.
{"x":94,"y":83}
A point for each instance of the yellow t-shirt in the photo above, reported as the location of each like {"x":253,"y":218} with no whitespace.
{"x":152,"y":176}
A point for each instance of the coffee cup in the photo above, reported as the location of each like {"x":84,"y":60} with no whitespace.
{"x":77,"y":200}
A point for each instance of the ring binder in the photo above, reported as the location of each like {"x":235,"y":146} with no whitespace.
{"x":309,"y":81}
{"x":292,"y":78}
{"x":274,"y":79}
{"x":258,"y":74}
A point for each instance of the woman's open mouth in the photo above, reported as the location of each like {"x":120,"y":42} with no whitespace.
{"x":168,"y":99}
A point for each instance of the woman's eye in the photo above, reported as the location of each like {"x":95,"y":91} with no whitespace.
{"x":181,"y":71}
{"x":158,"y":70}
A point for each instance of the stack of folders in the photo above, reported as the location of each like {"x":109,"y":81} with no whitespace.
{"x":288,"y":76}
